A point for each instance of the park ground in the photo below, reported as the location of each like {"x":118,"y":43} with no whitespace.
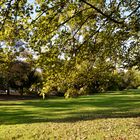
{"x":104,"y":116}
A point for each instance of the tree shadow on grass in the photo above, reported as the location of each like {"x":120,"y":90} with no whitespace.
{"x":12,"y":97}
{"x":71,"y":110}
{"x":125,"y":92}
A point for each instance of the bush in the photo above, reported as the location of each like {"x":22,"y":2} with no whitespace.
{"x":71,"y":92}
{"x":131,"y":79}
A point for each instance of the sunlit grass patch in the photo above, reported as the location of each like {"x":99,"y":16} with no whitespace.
{"x":113,"y":115}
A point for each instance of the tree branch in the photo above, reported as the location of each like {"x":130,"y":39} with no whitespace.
{"x":79,"y":28}
{"x":134,"y":11}
{"x":82,"y":25}
{"x":33,"y":21}
{"x":94,"y":33}
{"x":99,"y":11}
{"x":68,"y":19}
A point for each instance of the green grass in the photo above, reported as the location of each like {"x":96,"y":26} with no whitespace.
{"x":114,"y":115}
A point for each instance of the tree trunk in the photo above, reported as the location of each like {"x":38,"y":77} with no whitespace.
{"x":21,"y":91}
{"x":8,"y":89}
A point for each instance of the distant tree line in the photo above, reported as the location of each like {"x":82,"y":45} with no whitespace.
{"x":62,"y":79}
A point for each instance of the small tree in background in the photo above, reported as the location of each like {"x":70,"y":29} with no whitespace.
{"x":23,"y":76}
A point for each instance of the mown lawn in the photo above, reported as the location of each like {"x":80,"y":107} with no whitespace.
{"x":108,"y":116}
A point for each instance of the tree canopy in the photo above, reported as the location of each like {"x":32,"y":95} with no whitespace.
{"x":74,"y":40}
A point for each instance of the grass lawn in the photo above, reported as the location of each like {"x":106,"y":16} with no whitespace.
{"x":108,"y":116}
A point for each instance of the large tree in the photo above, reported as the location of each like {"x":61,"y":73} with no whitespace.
{"x":65,"y":34}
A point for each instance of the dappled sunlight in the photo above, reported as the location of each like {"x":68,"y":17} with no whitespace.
{"x":69,"y":70}
{"x":65,"y":110}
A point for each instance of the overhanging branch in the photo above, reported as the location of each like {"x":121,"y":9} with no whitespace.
{"x":134,"y":11}
{"x":94,"y":33}
{"x":102,"y":13}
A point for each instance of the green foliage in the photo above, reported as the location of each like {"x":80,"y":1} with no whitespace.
{"x":3,"y":83}
{"x":131,"y":79}
{"x":71,"y":92}
{"x":77,"y":44}
{"x":19,"y":72}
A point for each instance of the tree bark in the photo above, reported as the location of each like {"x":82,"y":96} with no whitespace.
{"x":8,"y":89}
{"x":21,"y":91}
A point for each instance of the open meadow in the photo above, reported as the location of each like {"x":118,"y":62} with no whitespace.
{"x":105,"y":116}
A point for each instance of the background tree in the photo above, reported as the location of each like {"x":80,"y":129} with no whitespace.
{"x":6,"y":58}
{"x":23,"y":76}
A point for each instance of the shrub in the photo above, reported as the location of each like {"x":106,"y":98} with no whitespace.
{"x":71,"y":92}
